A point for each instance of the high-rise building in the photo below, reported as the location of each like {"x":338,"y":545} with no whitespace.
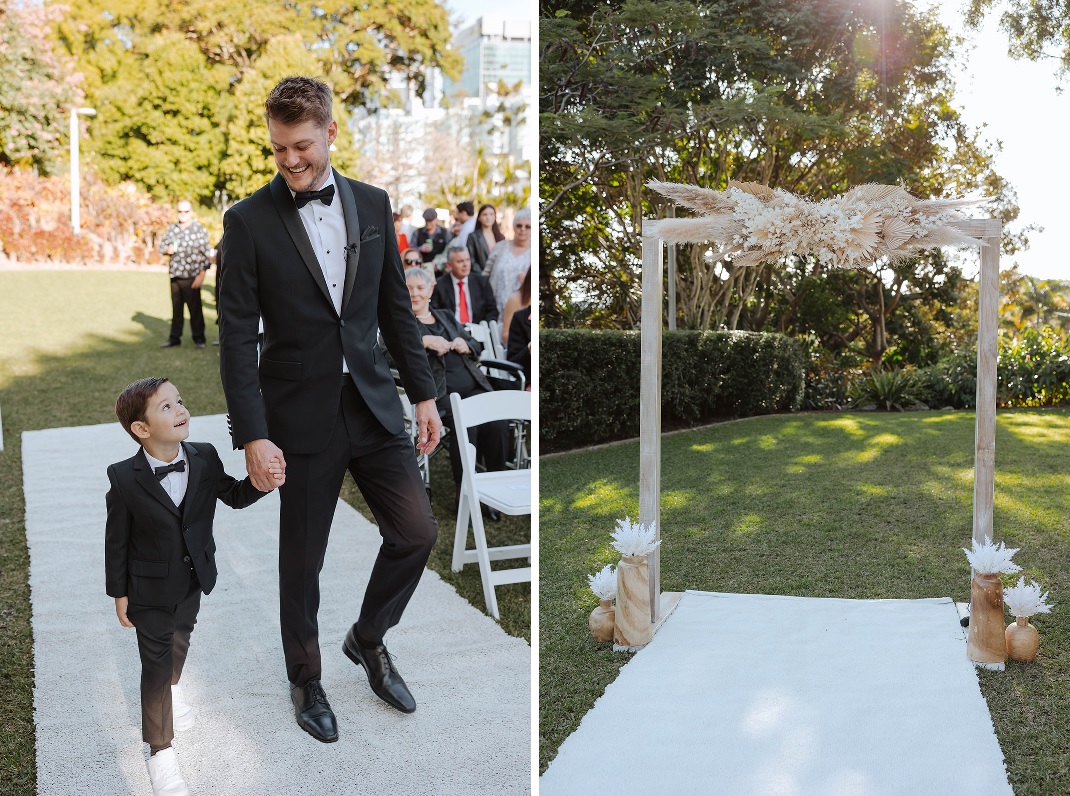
{"x":494,"y":49}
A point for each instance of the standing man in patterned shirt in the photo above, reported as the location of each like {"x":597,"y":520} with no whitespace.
{"x":186,"y":241}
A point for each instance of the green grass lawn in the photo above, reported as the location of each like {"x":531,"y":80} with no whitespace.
{"x":855,"y":505}
{"x":69,"y":342}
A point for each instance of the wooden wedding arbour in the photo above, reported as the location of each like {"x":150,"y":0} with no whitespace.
{"x":987,"y":230}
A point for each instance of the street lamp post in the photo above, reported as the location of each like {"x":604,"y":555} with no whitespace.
{"x":76,"y":220}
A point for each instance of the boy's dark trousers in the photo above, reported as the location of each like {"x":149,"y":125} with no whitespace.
{"x":162,"y":640}
{"x":184,"y":293}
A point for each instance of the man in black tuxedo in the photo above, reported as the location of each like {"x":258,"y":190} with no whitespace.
{"x":468,"y":296}
{"x":313,"y":253}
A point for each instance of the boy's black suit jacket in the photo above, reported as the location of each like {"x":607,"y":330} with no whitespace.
{"x":291,"y":395}
{"x":484,"y":307}
{"x":148,"y":538}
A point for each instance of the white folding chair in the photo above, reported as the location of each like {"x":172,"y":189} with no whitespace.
{"x":423,"y":461}
{"x":496,"y":339}
{"x":509,"y":491}
{"x":482,"y":334}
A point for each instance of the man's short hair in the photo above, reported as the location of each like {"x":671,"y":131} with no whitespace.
{"x":467,"y":207}
{"x":452,"y":250}
{"x":406,"y":211}
{"x":133,"y":402}
{"x":299,"y":99}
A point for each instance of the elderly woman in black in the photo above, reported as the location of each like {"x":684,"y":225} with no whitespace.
{"x":453,"y":356}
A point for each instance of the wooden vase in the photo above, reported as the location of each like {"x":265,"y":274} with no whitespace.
{"x":602,"y":621}
{"x":986,"y":642}
{"x":1023,"y":640}
{"x":633,"y":627}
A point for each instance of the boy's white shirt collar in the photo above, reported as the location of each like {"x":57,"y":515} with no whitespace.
{"x":174,"y":484}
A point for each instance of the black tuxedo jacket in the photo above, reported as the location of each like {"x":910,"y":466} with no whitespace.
{"x":291,"y":395}
{"x":147,"y":537}
{"x":483,"y":306}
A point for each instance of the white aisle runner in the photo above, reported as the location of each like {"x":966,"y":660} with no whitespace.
{"x":758,"y":695}
{"x":469,"y":735}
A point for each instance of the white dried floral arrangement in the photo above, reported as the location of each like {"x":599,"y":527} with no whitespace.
{"x":754,"y":224}
{"x":604,"y":583}
{"x":634,"y":539}
{"x":1025,"y":599}
{"x":989,"y":559}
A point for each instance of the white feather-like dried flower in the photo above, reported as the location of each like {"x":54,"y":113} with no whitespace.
{"x":1025,"y":599}
{"x":604,"y":583}
{"x":634,"y":539}
{"x":988,"y":558}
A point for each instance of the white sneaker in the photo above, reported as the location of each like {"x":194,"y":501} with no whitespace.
{"x":182,"y":714}
{"x":164,"y":774}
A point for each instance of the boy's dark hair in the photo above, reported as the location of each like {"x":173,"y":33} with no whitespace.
{"x":133,"y":402}
{"x":299,"y":99}
{"x":467,"y":207}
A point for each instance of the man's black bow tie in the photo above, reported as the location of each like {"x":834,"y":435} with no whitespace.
{"x":164,"y":469}
{"x":325,"y":195}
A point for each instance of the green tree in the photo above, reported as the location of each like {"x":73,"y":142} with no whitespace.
{"x":38,"y":88}
{"x":180,"y":86}
{"x":1034,"y":28}
{"x":157,"y":118}
{"x":812,"y":97}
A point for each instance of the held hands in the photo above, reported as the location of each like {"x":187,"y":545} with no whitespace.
{"x":460,"y":346}
{"x":120,"y":611}
{"x":430,"y":425}
{"x":265,"y":464}
{"x":440,"y":345}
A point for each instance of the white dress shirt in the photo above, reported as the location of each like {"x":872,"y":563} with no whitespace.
{"x":326,"y":228}
{"x":174,"y":484}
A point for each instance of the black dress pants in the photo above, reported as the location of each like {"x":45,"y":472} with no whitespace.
{"x":183,"y":294}
{"x":163,"y":634}
{"x":384,"y":468}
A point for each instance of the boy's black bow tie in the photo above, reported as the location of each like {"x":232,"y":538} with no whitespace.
{"x":164,"y":469}
{"x":325,"y":195}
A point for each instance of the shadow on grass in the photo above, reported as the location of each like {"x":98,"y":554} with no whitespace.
{"x":79,"y":388}
{"x":864,"y":506}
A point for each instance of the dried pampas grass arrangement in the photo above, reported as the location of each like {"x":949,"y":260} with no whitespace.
{"x":755,"y":224}
{"x":634,"y":539}
{"x":1026,"y":599}
{"x":604,"y":583}
{"x":989,"y":559}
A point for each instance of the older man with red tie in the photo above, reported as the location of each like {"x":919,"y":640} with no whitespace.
{"x":467,"y":295}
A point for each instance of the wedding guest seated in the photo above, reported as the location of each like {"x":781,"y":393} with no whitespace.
{"x":467,"y":295}
{"x":453,"y":356}
{"x":410,"y":258}
{"x":519,"y":348}
{"x":517,"y":301}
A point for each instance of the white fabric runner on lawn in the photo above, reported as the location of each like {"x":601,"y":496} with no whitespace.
{"x":759,"y":695}
{"x":470,"y":734}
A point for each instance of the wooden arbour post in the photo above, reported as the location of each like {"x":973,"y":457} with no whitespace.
{"x":989,"y":230}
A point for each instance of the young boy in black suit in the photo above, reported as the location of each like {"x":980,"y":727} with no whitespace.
{"x":160,"y":554}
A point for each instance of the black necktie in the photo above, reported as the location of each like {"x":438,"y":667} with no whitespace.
{"x":176,"y":467}
{"x":325,"y":195}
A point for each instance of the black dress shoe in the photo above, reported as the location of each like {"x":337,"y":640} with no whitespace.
{"x":198,"y":345}
{"x":382,"y":676}
{"x":170,"y":343}
{"x":313,"y":711}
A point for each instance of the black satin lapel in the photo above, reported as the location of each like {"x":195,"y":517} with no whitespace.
{"x":349,"y":210}
{"x":292,"y":221}
{"x":147,"y":478}
{"x":196,"y":468}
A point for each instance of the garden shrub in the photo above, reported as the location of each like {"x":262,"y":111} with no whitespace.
{"x":589,"y":381}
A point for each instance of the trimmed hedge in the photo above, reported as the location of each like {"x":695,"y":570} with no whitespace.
{"x":589,"y":381}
